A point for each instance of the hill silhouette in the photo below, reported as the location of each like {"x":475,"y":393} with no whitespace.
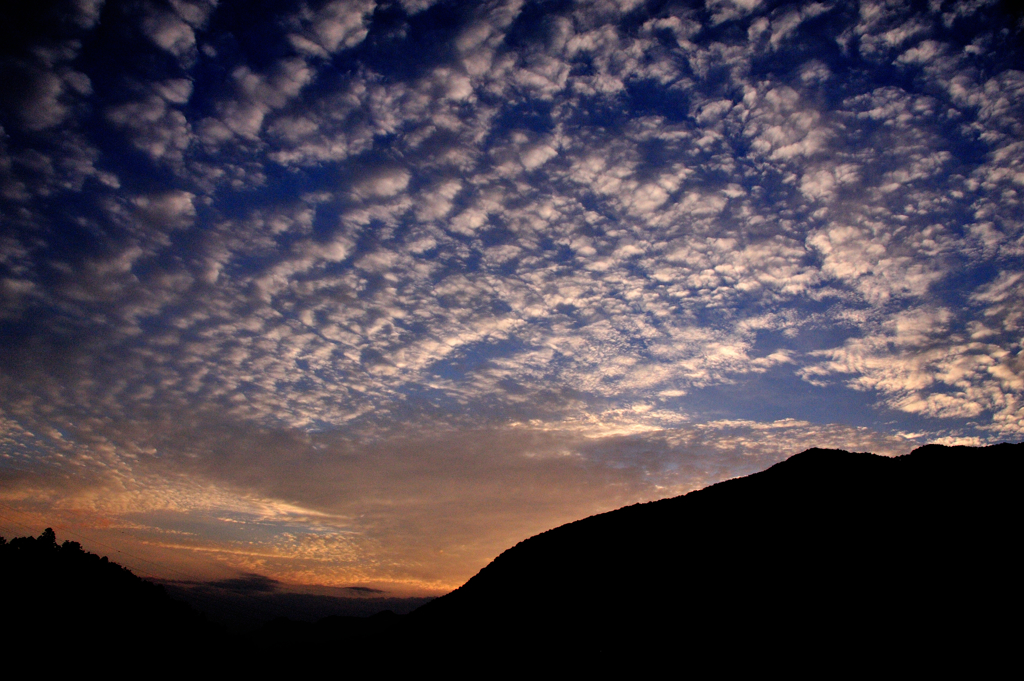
{"x":63,"y":603}
{"x":83,"y":605}
{"x":827,"y":556}
{"x":828,"y":561}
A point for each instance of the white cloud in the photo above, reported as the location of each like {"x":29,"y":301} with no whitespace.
{"x":784,"y":24}
{"x":172,"y":208}
{"x":194,"y":12}
{"x":169,"y":32}
{"x":382,"y":182}
{"x":726,"y":10}
{"x":853,"y":255}
{"x":175,"y":90}
{"x":923,"y":53}
{"x":256,"y":95}
{"x":535,"y":156}
{"x":42,"y":108}
{"x":437,"y":202}
{"x":337,"y":25}
{"x":88,"y":12}
{"x":822,"y":184}
{"x":155,"y":128}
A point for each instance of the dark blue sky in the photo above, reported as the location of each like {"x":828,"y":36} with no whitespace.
{"x":363,"y":292}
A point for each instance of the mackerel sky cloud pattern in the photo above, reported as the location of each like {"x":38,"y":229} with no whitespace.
{"x":361,"y":292}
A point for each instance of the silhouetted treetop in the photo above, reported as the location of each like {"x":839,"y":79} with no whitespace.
{"x":61,"y":592}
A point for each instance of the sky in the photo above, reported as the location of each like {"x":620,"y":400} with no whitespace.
{"x":361,"y":293}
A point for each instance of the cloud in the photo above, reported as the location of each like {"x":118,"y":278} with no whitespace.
{"x":155,"y":128}
{"x":88,"y":12}
{"x":725,"y":10}
{"x":41,"y":106}
{"x":851,"y":255}
{"x":169,"y":32}
{"x":169,"y":210}
{"x":173,"y":28}
{"x":256,"y":95}
{"x":364,"y":590}
{"x":382,"y":182}
{"x":336,"y":25}
{"x":247,"y":584}
{"x":933,"y":371}
{"x":44,"y":90}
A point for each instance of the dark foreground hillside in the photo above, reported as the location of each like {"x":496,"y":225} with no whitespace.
{"x":829,"y":561}
{"x":75,"y":605}
{"x":826,"y":558}
{"x":73,"y":608}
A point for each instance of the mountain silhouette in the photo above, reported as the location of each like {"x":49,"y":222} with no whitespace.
{"x":828,"y":556}
{"x":826,"y":563}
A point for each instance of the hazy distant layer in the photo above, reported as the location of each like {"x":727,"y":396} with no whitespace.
{"x":362,"y":293}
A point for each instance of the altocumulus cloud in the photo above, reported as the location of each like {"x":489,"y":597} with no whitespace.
{"x":362,"y":293}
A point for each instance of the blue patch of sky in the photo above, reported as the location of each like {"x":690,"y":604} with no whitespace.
{"x":238,"y":38}
{"x":532,"y":115}
{"x":807,"y":339}
{"x":427,"y":35}
{"x":779,"y":394}
{"x":474,"y":357}
{"x":963,"y":280}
